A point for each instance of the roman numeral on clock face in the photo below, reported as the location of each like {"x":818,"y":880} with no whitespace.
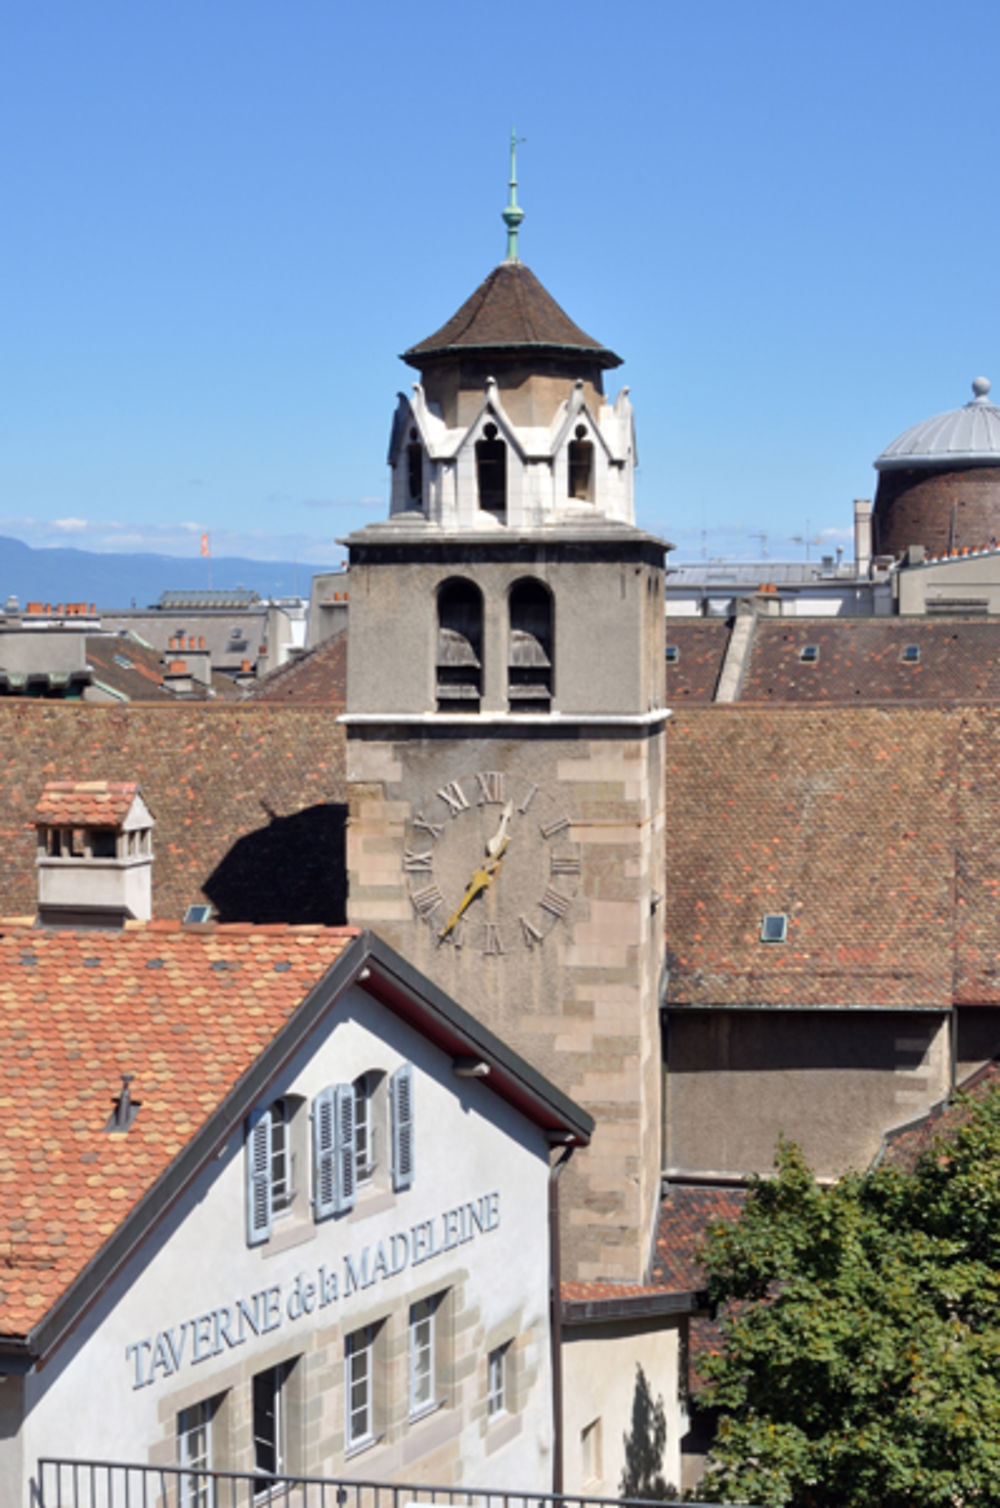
{"x":564,"y":864}
{"x":491,"y":787}
{"x":560,"y":825}
{"x":530,"y":934}
{"x":418,"y":863}
{"x":493,"y":946}
{"x":426,"y":900}
{"x":432,"y":829}
{"x":454,"y":798}
{"x":554,"y":903}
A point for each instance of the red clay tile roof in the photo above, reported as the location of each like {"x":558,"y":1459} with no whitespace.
{"x":78,"y":1010}
{"x":872,"y":830}
{"x":860,"y":660}
{"x":249,"y":800}
{"x":319,"y":675}
{"x":86,"y":803}
{"x":510,"y":309}
{"x":687,"y":1213}
{"x":701,"y":647}
{"x":904,"y":1147}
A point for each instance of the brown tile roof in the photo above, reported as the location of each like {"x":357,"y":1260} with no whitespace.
{"x":701,"y":647}
{"x":904,"y":1147}
{"x":249,"y":800}
{"x":510,"y":309}
{"x":687,"y":1213}
{"x":860,"y":660}
{"x":319,"y":675}
{"x":858,"y":824}
{"x":86,"y":803}
{"x":78,"y":1010}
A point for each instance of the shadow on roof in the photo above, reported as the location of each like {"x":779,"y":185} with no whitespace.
{"x":293,"y":870}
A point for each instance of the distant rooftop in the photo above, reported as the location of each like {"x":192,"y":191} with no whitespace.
{"x":224,"y":599}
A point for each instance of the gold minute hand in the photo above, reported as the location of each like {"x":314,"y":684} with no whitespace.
{"x":480,"y":881}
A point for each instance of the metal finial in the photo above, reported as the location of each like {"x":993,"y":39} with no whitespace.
{"x":513,"y":214}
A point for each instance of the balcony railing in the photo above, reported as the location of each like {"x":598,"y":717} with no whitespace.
{"x":118,"y":1484}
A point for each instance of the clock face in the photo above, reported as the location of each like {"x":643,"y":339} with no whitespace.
{"x":490,"y":863}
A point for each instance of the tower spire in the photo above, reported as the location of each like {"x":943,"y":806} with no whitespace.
{"x":513,"y":214}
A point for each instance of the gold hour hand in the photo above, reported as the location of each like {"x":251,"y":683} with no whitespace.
{"x":480,"y":881}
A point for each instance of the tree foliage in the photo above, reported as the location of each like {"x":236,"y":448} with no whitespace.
{"x":861,"y":1324}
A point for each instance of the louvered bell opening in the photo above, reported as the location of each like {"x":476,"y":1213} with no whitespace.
{"x":459,"y":679}
{"x":529,"y":681}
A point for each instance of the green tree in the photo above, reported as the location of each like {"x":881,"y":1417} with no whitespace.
{"x":861,"y":1325}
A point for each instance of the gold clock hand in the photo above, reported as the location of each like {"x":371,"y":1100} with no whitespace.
{"x":499,"y":840}
{"x":480,"y":881}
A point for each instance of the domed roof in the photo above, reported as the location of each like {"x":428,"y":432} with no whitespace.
{"x":968,"y":436}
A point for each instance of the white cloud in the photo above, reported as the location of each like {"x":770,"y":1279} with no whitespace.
{"x":70,"y":525}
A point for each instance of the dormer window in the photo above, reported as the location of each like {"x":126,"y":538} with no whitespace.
{"x":581,"y":466}
{"x":529,"y":659}
{"x":415,"y":471}
{"x":459,"y":667}
{"x":491,"y":472}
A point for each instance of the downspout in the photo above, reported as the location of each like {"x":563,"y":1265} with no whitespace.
{"x":555,"y":1319}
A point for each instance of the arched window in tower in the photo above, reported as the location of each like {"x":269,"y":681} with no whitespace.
{"x":415,"y":471}
{"x":581,"y":466}
{"x":529,"y":660}
{"x":491,"y":472}
{"x":459,"y":647}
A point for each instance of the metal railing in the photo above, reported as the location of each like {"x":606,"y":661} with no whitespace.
{"x":120,"y":1484}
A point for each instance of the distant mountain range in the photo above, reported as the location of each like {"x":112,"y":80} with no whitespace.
{"x":119,"y":581}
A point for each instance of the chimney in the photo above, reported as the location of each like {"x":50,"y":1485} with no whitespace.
{"x":863,"y":537}
{"x":95,"y":854}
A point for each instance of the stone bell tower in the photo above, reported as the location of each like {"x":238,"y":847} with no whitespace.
{"x":505,"y":726}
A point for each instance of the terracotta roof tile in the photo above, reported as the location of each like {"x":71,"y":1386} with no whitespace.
{"x":687,"y":1213}
{"x":870,"y":829}
{"x":86,"y":803}
{"x":701,"y":649}
{"x":78,"y":1010}
{"x":250,"y":800}
{"x":319,"y":675}
{"x":904,"y":1147}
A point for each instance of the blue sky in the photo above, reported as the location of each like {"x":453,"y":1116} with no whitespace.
{"x":223,"y":221}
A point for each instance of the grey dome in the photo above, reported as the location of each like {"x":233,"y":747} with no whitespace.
{"x":968,"y":436}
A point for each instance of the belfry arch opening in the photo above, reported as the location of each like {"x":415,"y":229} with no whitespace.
{"x":491,"y":472}
{"x":531,"y":642}
{"x":459,"y":658}
{"x":580,"y":466}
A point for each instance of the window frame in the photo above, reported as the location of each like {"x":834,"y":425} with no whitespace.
{"x":196,"y":1419}
{"x":359,"y":1371}
{"x":423,"y":1356}
{"x":497,"y":1383}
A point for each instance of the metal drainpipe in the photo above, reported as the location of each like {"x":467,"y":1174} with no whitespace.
{"x":555,"y":1319}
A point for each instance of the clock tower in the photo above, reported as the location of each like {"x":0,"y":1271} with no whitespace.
{"x":505,"y":727}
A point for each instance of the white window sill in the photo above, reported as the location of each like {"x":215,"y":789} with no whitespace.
{"x":426,"y":1410}
{"x":357,"y":1447}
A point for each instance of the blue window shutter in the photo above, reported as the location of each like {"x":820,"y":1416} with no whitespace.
{"x":345,"y":1154}
{"x":324,"y":1123}
{"x":258,"y":1154}
{"x":401,"y":1103}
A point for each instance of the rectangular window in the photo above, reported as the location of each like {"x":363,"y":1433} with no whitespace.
{"x":496,"y":1382}
{"x":282,"y":1166}
{"x":359,"y":1350}
{"x":269,"y":1424}
{"x":194,"y":1450}
{"x":423,"y":1356}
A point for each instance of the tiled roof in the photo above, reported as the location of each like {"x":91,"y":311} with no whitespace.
{"x":133,"y":670}
{"x":249,"y":800}
{"x":79,"y":1010}
{"x":701,"y":649}
{"x":687,"y":1212}
{"x":861,"y":661}
{"x":861,"y":826}
{"x":86,"y":803}
{"x":319,"y":675}
{"x":510,"y":308}
{"x":904,"y":1148}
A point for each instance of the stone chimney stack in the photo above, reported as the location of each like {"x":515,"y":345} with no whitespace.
{"x":95,"y":854}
